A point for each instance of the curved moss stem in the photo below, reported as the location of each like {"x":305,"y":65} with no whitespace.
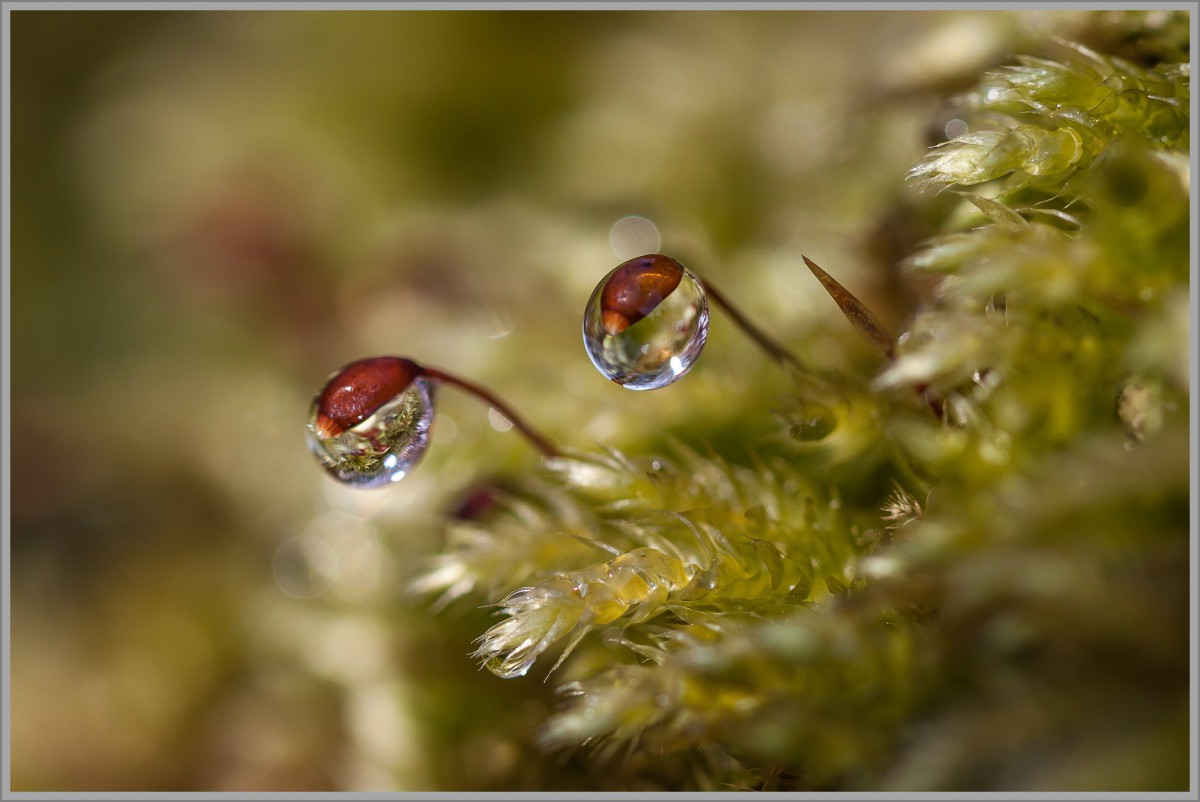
{"x":538,"y":440}
{"x":775,"y":350}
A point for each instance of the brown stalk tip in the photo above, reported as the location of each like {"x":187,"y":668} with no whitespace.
{"x":855,"y":311}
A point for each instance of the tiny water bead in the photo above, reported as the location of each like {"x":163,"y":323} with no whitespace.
{"x":646,"y":322}
{"x":812,"y":422}
{"x":370,"y":424}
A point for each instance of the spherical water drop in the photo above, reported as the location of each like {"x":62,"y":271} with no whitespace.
{"x":646,"y":322}
{"x":813,"y":422}
{"x":370,"y":424}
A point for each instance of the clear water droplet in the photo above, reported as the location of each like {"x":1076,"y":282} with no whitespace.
{"x":814,"y":422}
{"x":646,"y":323}
{"x":382,"y":448}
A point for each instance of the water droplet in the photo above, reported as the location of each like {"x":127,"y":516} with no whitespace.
{"x":814,"y":422}
{"x":370,"y":424}
{"x":646,"y":322}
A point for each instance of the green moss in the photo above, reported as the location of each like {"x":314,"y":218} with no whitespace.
{"x":994,"y":600}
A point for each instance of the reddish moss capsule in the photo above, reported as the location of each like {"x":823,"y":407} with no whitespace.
{"x":635,"y":288}
{"x":355,"y":392}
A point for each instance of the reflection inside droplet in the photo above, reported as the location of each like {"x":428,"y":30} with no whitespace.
{"x":383,"y":447}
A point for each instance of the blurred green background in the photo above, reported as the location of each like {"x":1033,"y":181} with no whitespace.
{"x":212,"y":211}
